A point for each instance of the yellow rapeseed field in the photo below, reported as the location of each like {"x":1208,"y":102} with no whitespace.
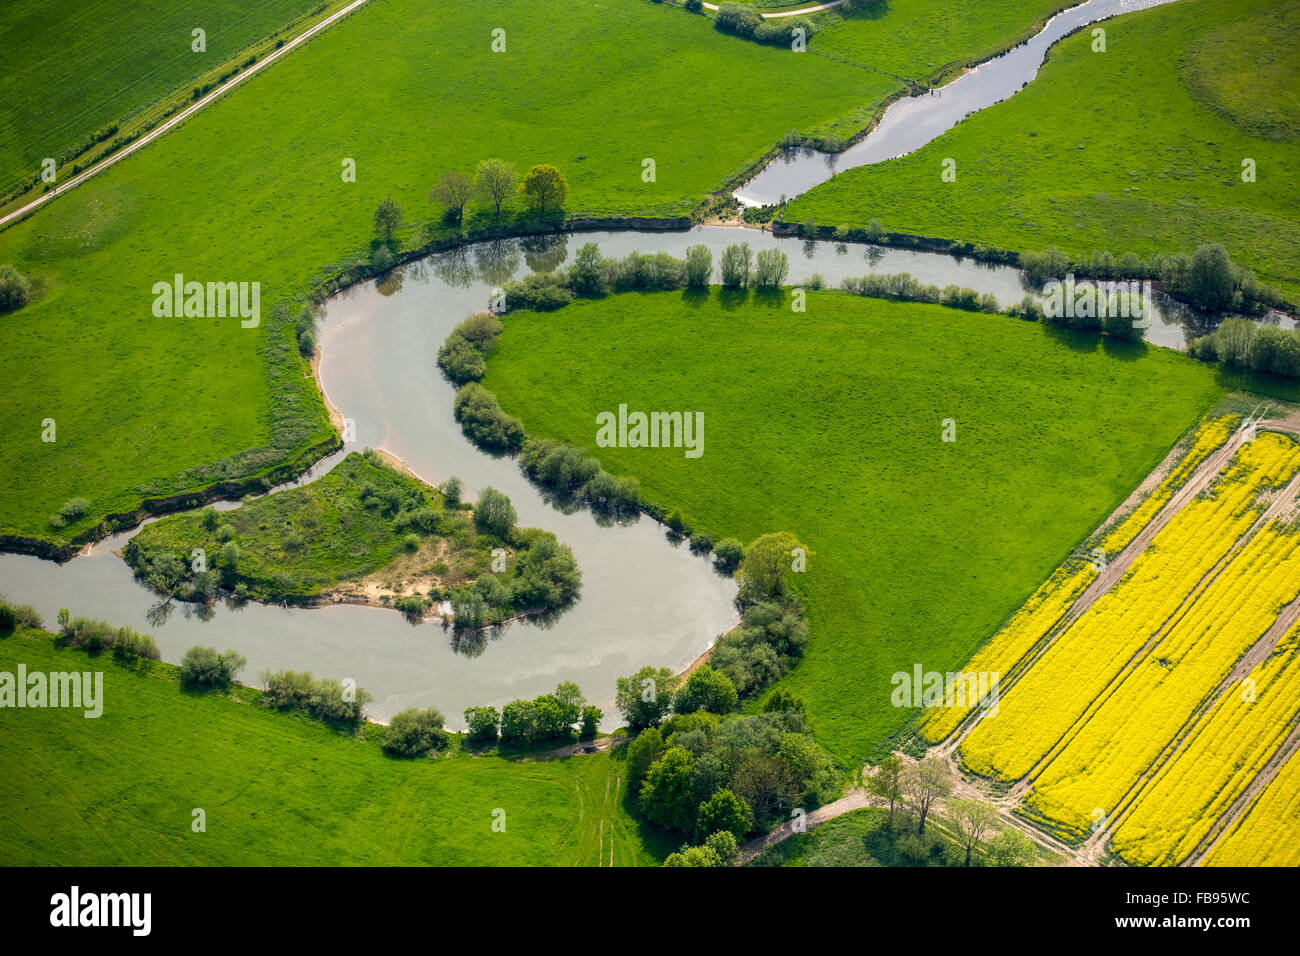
{"x":1209,"y":435}
{"x":1050,"y":698}
{"x":1216,"y":763}
{"x":1054,"y":597}
{"x":1269,"y":832}
{"x":1140,"y":715}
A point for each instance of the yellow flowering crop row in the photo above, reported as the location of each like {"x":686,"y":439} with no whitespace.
{"x":1147,"y":708}
{"x":1210,"y":434}
{"x":1014,"y":641}
{"x":1053,"y":694}
{"x":1215,"y":764}
{"x":1054,"y":597}
{"x":1269,"y":832}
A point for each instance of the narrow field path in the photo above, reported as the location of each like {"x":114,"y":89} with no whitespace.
{"x":789,"y":13}
{"x":180,"y":117}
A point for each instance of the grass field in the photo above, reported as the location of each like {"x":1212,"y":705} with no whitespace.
{"x":200,"y":203}
{"x":85,"y":64}
{"x":917,"y":39}
{"x":1137,"y":149}
{"x":828,"y":425}
{"x":276,"y":789}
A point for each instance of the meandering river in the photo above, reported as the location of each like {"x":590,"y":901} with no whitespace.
{"x":644,"y":599}
{"x":911,"y":122}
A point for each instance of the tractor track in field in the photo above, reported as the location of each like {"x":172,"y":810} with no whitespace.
{"x":1230,"y":817}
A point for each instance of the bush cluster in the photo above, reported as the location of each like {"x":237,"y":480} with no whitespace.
{"x":95,"y":636}
{"x":1241,"y":343}
{"x":484,"y":422}
{"x":543,"y":575}
{"x":321,"y":697}
{"x":573,"y":474}
{"x":463,"y":357}
{"x":14,"y":288}
{"x":415,"y":732}
{"x":903,"y":285}
{"x":204,"y":667}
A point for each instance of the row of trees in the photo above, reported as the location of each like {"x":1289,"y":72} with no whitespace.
{"x":1241,"y":343}
{"x":495,"y":182}
{"x":1208,"y":279}
{"x":918,"y":788}
{"x":547,"y":718}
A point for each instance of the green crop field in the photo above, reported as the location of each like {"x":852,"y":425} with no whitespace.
{"x":1135,"y":149}
{"x":828,"y":425}
{"x":251,"y":190}
{"x":277,"y":790}
{"x":84,"y":64}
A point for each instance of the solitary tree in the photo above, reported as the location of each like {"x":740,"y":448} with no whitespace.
{"x":1210,"y":281}
{"x":14,"y":288}
{"x":494,"y":513}
{"x":887,"y":782}
{"x":545,"y":188}
{"x":452,"y":192}
{"x":706,"y":689}
{"x":699,"y":266}
{"x":645,"y":698}
{"x":924,"y":783}
{"x":387,"y":218}
{"x":1011,"y":848}
{"x":495,"y":182}
{"x":972,"y":820}
{"x":766,"y":563}
{"x":773,"y":266}
{"x":737,"y":261}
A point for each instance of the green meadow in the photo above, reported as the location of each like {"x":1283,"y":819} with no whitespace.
{"x":251,"y":189}
{"x":1135,"y":149}
{"x":921,"y":40}
{"x":828,"y":424}
{"x":77,"y":66}
{"x":276,"y":790}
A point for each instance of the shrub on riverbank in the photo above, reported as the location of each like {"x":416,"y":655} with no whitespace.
{"x":574,"y":475}
{"x":95,"y":636}
{"x":414,"y":732}
{"x":323,"y":698}
{"x":484,"y":422}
